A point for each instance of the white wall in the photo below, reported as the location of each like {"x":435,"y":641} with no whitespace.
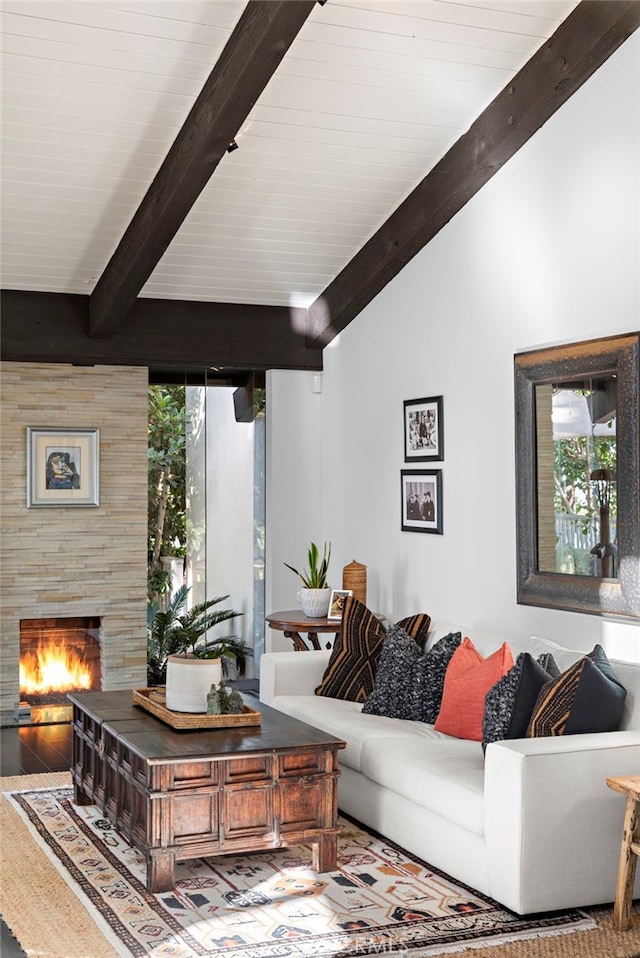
{"x":547,"y":252}
{"x":229,"y":484}
{"x":294,"y":485}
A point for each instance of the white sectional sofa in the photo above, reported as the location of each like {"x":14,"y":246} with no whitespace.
{"x":531,"y":824}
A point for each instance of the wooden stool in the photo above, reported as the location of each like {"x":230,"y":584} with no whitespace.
{"x":629,"y":786}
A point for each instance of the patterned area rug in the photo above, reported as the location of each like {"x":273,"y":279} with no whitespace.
{"x":270,"y":904}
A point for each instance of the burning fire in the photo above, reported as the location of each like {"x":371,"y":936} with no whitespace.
{"x":50,"y":668}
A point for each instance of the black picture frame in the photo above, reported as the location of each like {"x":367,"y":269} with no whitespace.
{"x":423,"y":430}
{"x":421,"y":500}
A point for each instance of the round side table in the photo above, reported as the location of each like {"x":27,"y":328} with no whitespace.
{"x":294,"y":621}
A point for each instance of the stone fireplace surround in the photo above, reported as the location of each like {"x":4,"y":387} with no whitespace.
{"x":59,"y":562}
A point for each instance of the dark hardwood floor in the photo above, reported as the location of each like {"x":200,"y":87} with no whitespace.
{"x":27,"y":751}
{"x":35,"y":748}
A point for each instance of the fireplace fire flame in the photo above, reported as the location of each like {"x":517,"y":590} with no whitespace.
{"x":52,"y":668}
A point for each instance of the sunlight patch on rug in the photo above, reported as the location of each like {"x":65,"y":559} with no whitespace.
{"x":271,"y":904}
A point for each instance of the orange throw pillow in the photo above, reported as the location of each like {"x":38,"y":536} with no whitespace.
{"x":467,"y":680}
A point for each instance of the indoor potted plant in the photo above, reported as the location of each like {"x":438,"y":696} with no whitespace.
{"x":178,"y":655}
{"x":316,"y":594}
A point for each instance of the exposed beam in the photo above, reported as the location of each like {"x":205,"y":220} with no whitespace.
{"x":163,"y":334}
{"x":262,"y":36}
{"x":592,"y":32}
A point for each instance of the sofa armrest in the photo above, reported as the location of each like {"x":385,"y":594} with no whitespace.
{"x":551,"y":822}
{"x":291,"y":673}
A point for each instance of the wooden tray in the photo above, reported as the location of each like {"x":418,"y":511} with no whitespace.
{"x":154,"y":701}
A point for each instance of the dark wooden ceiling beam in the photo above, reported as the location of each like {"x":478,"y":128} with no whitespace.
{"x":163,"y":334}
{"x":592,"y":32}
{"x":262,"y":36}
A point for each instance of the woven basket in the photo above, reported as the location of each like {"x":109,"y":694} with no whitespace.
{"x":354,"y":577}
{"x":153,"y":700}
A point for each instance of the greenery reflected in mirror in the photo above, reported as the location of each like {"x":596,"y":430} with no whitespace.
{"x":576,"y":470}
{"x":577,"y":476}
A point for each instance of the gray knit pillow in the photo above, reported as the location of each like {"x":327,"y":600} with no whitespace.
{"x":509,"y":703}
{"x":409,"y":682}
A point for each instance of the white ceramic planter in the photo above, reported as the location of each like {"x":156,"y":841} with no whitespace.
{"x":314,"y":602}
{"x":189,"y":680}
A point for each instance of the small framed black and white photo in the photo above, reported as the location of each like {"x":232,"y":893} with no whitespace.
{"x":423,"y":430}
{"x":421,"y":498}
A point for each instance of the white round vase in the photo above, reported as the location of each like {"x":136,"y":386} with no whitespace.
{"x":314,"y":602}
{"x":189,"y":680}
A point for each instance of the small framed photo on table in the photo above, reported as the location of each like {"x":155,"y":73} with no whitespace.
{"x":62,"y":467}
{"x":421,"y":498}
{"x":336,"y":603}
{"x":423,"y":430}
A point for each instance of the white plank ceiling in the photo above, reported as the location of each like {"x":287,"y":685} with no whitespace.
{"x":369,"y":97}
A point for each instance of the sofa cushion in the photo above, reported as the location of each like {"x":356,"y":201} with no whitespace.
{"x":510,"y":702}
{"x":409,"y":682}
{"x":352,"y":666}
{"x":587,"y":697}
{"x":466,"y":683}
{"x":347,"y":721}
{"x":444,"y":775}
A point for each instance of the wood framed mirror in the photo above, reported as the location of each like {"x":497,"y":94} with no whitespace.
{"x":578,"y":476}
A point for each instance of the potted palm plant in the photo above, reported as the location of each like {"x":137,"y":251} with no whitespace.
{"x":179,"y":655}
{"x":316,"y":594}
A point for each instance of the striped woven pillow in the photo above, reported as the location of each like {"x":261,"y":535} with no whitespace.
{"x":588,"y":697}
{"x":352,"y":667}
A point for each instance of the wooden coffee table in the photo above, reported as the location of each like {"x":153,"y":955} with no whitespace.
{"x":178,"y":795}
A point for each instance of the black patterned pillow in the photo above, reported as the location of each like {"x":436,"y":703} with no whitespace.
{"x":353,"y":663}
{"x":409,"y":682}
{"x":509,"y":703}
{"x":588,"y":697}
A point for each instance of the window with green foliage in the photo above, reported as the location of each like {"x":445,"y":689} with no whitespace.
{"x":576,"y":466}
{"x":206,"y":491}
{"x":167,"y":467}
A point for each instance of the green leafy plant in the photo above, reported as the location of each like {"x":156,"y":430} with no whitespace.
{"x":158,"y":583}
{"x":167,"y":533}
{"x":315,"y":577}
{"x":179,"y":631}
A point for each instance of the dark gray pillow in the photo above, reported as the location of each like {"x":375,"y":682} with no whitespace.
{"x":587,"y":697}
{"x":409,"y":682}
{"x":510,"y":702}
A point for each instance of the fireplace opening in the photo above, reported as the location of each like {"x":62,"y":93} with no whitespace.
{"x":57,"y":655}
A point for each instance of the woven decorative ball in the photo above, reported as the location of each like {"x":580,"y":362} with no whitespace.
{"x":354,"y":577}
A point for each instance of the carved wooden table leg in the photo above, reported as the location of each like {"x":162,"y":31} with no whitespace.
{"x":160,"y":865}
{"x":325,"y":854}
{"x":299,"y":645}
{"x":79,"y":797}
{"x":629,"y":850}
